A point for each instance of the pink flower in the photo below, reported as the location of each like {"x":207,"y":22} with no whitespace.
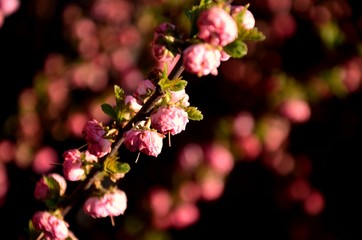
{"x":146,"y":141}
{"x":72,"y":166}
{"x":248,"y":20}
{"x":180,"y":97}
{"x":160,"y":201}
{"x":44,"y":191}
{"x":113,"y":203}
{"x":52,"y":227}
{"x":201,"y":59}
{"x":217,"y":27}
{"x":169,"y":119}
{"x":94,"y":133}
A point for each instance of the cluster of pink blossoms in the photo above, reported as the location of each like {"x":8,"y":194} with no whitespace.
{"x":170,"y":118}
{"x":170,"y":111}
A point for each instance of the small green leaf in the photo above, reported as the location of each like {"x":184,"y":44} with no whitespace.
{"x":251,"y":35}
{"x":194,"y":113}
{"x":236,"y":49}
{"x":111,"y":165}
{"x":53,"y":185}
{"x":109,"y":110}
{"x":118,"y":93}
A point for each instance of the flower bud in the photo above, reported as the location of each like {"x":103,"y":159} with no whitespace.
{"x":45,"y":188}
{"x":217,"y":27}
{"x":201,"y":59}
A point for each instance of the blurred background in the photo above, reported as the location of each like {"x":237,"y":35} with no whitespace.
{"x":276,"y":155}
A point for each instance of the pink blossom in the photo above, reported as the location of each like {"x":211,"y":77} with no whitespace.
{"x":94,"y":133}
{"x":297,"y":110}
{"x":113,"y":203}
{"x":169,"y":119}
{"x":148,"y":142}
{"x":220,"y":158}
{"x":201,"y":59}
{"x":217,"y":27}
{"x":180,"y":97}
{"x":248,"y":20}
{"x":52,"y":227}
{"x":44,"y":191}
{"x":72,"y":166}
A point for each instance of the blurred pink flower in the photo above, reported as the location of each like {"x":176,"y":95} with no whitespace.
{"x":297,"y":110}
{"x":243,"y":124}
{"x":191,"y":156}
{"x":7,"y":151}
{"x":314,"y":204}
{"x":219,"y":158}
{"x":4,"y":183}
{"x":113,"y":203}
{"x":212,"y":187}
{"x":52,"y":227}
{"x":251,"y":147}
{"x":7,"y":7}
{"x":201,"y":59}
{"x":184,"y":215}
{"x":160,"y":201}
{"x":45,"y":160}
{"x":189,"y":191}
{"x":75,"y":123}
{"x":216,"y":27}
{"x":169,"y":119}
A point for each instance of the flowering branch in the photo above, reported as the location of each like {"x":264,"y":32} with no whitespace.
{"x":158,"y":108}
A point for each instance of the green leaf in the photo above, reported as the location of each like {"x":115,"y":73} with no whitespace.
{"x":251,"y":35}
{"x":53,"y":185}
{"x":111,"y":165}
{"x":236,"y":49}
{"x":194,"y":113}
{"x":118,"y":93}
{"x":109,"y":110}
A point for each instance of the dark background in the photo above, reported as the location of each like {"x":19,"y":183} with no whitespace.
{"x":248,"y":208}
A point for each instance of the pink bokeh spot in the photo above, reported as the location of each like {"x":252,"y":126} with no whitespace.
{"x":45,"y":160}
